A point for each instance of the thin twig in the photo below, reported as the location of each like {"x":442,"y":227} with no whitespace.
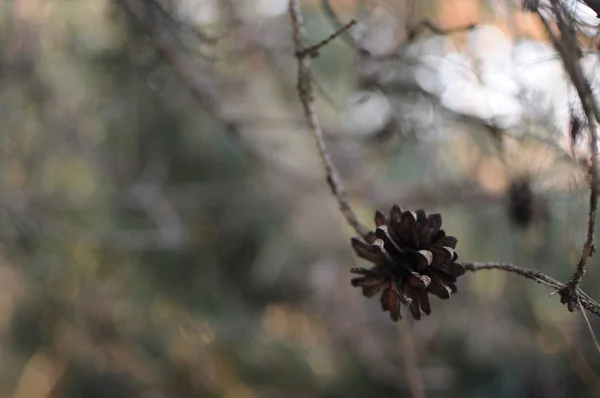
{"x":306,"y":94}
{"x":337,"y":24}
{"x":589,"y":325}
{"x":532,"y":274}
{"x":539,"y":277}
{"x":568,"y":49}
{"x":313,"y":51}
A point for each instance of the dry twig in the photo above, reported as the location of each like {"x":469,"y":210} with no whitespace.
{"x":337,"y":24}
{"x":578,"y":294}
{"x":568,"y":49}
{"x":313,"y":51}
{"x":306,"y":94}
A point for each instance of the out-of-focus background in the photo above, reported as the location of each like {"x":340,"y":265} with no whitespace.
{"x":166,"y":226}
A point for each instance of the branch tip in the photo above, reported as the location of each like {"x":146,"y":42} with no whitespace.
{"x":313,"y":51}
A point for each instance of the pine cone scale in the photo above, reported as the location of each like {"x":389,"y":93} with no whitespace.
{"x":407,"y":232}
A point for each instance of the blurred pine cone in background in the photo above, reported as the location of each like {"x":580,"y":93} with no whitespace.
{"x":412,"y":257}
{"x":524,"y":206}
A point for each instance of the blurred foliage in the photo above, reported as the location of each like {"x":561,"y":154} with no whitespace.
{"x":162,"y":243}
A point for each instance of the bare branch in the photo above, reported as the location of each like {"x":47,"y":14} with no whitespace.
{"x":532,"y":274}
{"x":577,"y":294}
{"x":305,"y":88}
{"x":568,"y":49}
{"x":313,"y":51}
{"x":337,"y":24}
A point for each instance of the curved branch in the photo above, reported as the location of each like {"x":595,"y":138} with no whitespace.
{"x":569,"y":52}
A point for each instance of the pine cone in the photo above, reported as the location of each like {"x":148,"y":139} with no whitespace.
{"x":521,"y":202}
{"x":525,"y":207}
{"x":412,"y":257}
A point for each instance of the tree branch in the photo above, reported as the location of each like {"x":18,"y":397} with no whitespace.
{"x":305,"y":88}
{"x":578,"y":295}
{"x":569,"y":51}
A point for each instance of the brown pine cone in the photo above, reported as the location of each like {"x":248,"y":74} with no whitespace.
{"x":412,"y":257}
